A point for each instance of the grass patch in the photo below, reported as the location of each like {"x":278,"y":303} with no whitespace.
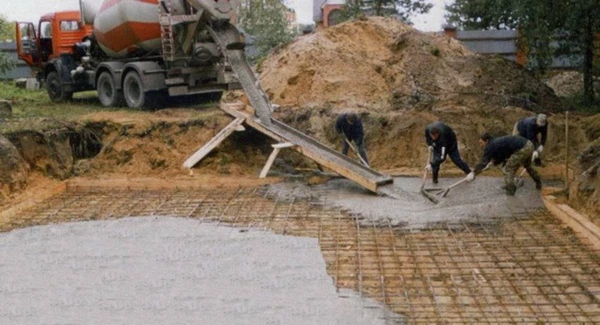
{"x":36,"y":103}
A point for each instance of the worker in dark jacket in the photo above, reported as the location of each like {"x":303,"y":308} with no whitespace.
{"x":441,"y":140}
{"x":530,"y":128}
{"x":350,"y":127}
{"x":513,"y":152}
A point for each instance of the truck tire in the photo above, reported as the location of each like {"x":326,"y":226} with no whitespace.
{"x":55,"y":89}
{"x":133,"y":90}
{"x":108,"y":94}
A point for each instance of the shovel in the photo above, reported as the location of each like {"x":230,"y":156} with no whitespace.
{"x":356,"y":152}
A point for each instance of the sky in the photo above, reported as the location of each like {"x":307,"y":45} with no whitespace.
{"x":31,"y":10}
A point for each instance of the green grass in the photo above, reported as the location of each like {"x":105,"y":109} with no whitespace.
{"x":36,"y":103}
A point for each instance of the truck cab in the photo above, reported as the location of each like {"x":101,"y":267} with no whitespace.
{"x":51,"y":46}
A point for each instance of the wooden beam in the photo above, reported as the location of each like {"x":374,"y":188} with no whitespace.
{"x":269,"y":163}
{"x":580,"y":224}
{"x":283,"y":145}
{"x":213,"y":143}
{"x":276,"y":148}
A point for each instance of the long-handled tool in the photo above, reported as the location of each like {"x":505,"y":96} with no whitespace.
{"x":356,"y":152}
{"x":445,"y":192}
{"x":425,"y":170}
{"x":426,"y":192}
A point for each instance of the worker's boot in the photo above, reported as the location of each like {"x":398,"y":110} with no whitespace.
{"x":435,"y":178}
{"x":538,"y":184}
{"x":510,"y":189}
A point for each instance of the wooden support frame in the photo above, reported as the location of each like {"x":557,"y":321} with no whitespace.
{"x":276,"y":148}
{"x":236,"y":125}
{"x":237,"y":110}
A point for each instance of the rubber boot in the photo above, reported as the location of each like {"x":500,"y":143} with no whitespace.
{"x":510,"y":189}
{"x":538,"y":184}
{"x":435,"y":178}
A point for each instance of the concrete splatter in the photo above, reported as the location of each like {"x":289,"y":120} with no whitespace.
{"x":483,"y":198}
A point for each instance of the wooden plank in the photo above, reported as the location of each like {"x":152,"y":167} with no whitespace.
{"x":213,"y":143}
{"x":283,"y":145}
{"x":269,"y":163}
{"x":582,"y":227}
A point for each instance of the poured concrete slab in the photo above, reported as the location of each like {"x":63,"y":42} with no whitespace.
{"x":163,"y":270}
{"x":480,"y":199}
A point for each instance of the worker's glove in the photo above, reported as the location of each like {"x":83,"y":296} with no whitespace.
{"x":540,"y":149}
{"x":471,"y":176}
{"x":535,"y":156}
{"x":428,"y":167}
{"x":430,"y":148}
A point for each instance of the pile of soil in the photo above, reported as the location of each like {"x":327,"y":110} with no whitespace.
{"x":13,"y":169}
{"x":585,"y":190}
{"x":157,"y":144}
{"x":382,"y":65}
{"x":569,"y":83}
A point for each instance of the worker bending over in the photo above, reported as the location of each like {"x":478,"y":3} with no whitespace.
{"x":514,"y":152}
{"x":530,"y":128}
{"x":441,"y":140}
{"x":350,"y":127}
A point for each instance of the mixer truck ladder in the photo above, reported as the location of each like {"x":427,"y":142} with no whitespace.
{"x":166,"y":30}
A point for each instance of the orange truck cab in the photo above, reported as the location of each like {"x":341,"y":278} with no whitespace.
{"x":52,"y":50}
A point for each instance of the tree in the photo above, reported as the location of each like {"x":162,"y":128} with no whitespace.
{"x":7,"y":29}
{"x":547,"y":28}
{"x":7,"y":32}
{"x":403,"y":9}
{"x":267,"y":21}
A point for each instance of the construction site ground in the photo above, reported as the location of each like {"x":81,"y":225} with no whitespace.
{"x":100,"y":224}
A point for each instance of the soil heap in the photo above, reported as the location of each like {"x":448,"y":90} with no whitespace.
{"x":381,"y":64}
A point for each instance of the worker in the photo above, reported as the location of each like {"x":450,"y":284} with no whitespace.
{"x":441,"y":140}
{"x":530,"y":128}
{"x":350,"y":127}
{"x":512,"y":152}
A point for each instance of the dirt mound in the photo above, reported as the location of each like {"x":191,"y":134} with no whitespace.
{"x":569,"y":83}
{"x":585,"y":190}
{"x":13,"y":169}
{"x":380,"y":64}
{"x":157,"y":144}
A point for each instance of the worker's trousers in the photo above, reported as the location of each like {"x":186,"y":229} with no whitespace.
{"x":514,"y":162}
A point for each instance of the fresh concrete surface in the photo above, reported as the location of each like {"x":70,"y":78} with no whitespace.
{"x":162,"y":270}
{"x":479,"y":200}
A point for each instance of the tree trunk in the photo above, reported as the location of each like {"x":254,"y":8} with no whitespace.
{"x":588,"y":62}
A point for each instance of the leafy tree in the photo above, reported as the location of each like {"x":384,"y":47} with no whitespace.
{"x":7,"y":29}
{"x":267,"y":21}
{"x":7,"y":32}
{"x":570,"y":24}
{"x":403,"y":9}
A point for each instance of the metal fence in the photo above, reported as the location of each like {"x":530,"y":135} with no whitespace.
{"x":505,"y":43}
{"x":21,"y":69}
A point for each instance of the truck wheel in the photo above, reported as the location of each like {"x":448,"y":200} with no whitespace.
{"x":55,"y":90}
{"x":108,"y":94}
{"x":133,"y":90}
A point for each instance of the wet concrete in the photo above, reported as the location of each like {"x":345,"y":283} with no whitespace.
{"x":163,"y":270}
{"x":479,"y":200}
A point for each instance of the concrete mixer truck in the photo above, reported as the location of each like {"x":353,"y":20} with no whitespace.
{"x":132,"y":51}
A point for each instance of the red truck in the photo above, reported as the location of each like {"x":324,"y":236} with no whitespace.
{"x":132,"y":51}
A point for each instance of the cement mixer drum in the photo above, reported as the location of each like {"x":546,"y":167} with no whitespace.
{"x":125,"y":26}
